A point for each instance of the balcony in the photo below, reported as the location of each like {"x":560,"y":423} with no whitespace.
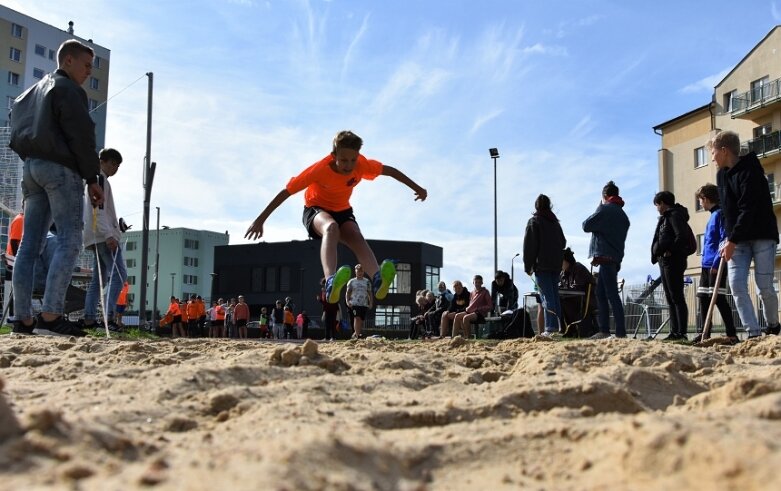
{"x":764,"y":146}
{"x":756,"y":100}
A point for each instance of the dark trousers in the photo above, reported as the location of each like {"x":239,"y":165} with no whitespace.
{"x":672,"y":269}
{"x":708,"y":280}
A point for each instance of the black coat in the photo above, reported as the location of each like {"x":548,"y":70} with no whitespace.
{"x":543,"y":244}
{"x":671,"y":235}
{"x":745,"y":201}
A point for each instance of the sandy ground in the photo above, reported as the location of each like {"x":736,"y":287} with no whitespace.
{"x":94,"y":414}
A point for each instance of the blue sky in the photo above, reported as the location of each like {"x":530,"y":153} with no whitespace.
{"x":248,"y":93}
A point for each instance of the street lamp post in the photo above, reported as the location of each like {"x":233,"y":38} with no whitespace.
{"x":172,"y":283}
{"x":495,"y":155}
{"x":512,"y":267}
{"x":211,"y":288}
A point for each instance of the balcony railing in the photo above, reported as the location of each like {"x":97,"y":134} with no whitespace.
{"x":756,"y":97}
{"x":763,"y":145}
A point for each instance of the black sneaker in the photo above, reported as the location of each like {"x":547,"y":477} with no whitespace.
{"x":772,"y":330}
{"x":20,"y":328}
{"x":114,"y":327}
{"x":673,"y":336}
{"x":58,"y":327}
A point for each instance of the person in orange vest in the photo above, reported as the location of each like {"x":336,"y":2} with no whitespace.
{"x":193,"y":313}
{"x":121,"y":304}
{"x":241,"y":316}
{"x":201,"y":314}
{"x":176,"y":324}
{"x":218,"y":324}
{"x":289,"y":321}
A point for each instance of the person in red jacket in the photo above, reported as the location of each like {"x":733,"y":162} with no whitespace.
{"x":480,"y":304}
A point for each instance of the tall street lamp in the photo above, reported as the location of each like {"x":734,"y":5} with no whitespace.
{"x":495,"y":155}
{"x":172,"y":283}
{"x":512,"y":267}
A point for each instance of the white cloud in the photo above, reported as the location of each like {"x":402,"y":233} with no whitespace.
{"x":705,"y":84}
{"x":481,"y":120}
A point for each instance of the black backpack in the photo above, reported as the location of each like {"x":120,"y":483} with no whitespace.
{"x":691,"y":243}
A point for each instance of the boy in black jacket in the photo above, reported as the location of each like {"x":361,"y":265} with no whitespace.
{"x":752,"y":232}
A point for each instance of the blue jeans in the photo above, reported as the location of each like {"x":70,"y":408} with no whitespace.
{"x":114,"y":273}
{"x":52,"y":192}
{"x":764,"y":253}
{"x":607,"y":296}
{"x":548,"y":281}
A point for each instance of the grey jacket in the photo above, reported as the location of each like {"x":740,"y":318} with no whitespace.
{"x":50,"y":121}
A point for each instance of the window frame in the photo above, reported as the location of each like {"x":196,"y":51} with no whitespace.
{"x":700,"y":152}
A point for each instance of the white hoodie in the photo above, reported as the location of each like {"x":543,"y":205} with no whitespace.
{"x":107,"y":223}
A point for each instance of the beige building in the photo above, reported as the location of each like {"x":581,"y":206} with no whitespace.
{"x":747,"y":101}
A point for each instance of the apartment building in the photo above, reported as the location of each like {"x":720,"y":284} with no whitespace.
{"x":748,"y":102}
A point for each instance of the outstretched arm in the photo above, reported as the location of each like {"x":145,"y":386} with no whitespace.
{"x":420,"y":193}
{"x":255,"y":231}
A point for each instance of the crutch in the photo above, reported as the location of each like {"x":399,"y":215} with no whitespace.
{"x":100,"y":275}
{"x":709,"y":316}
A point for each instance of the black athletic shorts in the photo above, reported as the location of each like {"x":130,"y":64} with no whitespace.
{"x":310,"y":212}
{"x":177,"y":319}
{"x":359,"y":311}
{"x":241,"y":323}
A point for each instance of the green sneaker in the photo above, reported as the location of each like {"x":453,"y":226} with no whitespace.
{"x":383,"y":279}
{"x":335,"y":283}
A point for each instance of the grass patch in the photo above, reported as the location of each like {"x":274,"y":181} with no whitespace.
{"x":5,"y":329}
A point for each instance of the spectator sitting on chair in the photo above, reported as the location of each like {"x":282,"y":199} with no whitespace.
{"x":480,"y":305}
{"x":441,"y":304}
{"x":504,"y":294}
{"x":425,"y":303}
{"x":578,"y":311}
{"x":457,"y":305}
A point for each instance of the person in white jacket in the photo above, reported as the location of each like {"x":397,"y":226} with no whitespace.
{"x":102,"y":235}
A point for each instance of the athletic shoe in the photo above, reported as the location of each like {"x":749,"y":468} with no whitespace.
{"x":698,"y":338}
{"x":772,"y":330}
{"x":674,"y":336}
{"x":58,"y":327}
{"x":335,"y":283}
{"x":601,"y":335}
{"x":551,"y":335}
{"x":383,"y":279}
{"x":20,"y":328}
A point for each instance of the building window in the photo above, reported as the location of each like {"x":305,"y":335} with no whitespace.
{"x":15,"y":54}
{"x":432,"y":278}
{"x":257,"y":279}
{"x":40,"y":50}
{"x":9,"y":101}
{"x":38,"y":73}
{"x":92,"y":104}
{"x":130,"y":263}
{"x":13,"y":78}
{"x":190,"y":244}
{"x":189,"y":279}
{"x":697,"y":204}
{"x":271,"y":279}
{"x":403,"y":281}
{"x":94,"y":83}
{"x":191,"y":261}
{"x":131,"y":280}
{"x":700,"y":239}
{"x":771,"y":182}
{"x":763,"y":130}
{"x":759,"y":89}
{"x":16,"y":30}
{"x":729,"y":99}
{"x":284,"y":278}
{"x":51,"y":54}
{"x":700,"y":159}
{"x":130,"y":298}
{"x":96,"y":62}
{"x":130,"y":246}
{"x":392,"y":316}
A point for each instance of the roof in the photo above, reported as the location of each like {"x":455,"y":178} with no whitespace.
{"x":683,"y":116}
{"x":747,"y":55}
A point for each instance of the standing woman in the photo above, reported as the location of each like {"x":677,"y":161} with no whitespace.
{"x":543,"y":251}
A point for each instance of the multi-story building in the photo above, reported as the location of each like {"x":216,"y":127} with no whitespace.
{"x":185,"y":266}
{"x":270,"y":271}
{"x":748,"y":102}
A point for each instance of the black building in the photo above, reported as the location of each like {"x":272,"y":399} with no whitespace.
{"x":266,"y":272}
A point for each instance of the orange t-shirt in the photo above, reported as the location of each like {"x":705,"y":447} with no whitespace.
{"x":15,"y":231}
{"x":328,"y":189}
{"x":183,"y":310}
{"x":122,"y":298}
{"x":173,"y":309}
{"x":192,"y":309}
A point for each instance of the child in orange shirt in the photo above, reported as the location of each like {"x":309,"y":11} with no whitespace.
{"x":176,"y":324}
{"x":329,"y":184}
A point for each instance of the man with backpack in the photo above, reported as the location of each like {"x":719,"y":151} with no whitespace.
{"x":670,"y":248}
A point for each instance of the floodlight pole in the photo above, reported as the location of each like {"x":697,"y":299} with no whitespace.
{"x":495,"y":155}
{"x":148,"y":179}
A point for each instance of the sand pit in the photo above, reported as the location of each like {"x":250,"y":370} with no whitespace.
{"x":94,"y":414}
